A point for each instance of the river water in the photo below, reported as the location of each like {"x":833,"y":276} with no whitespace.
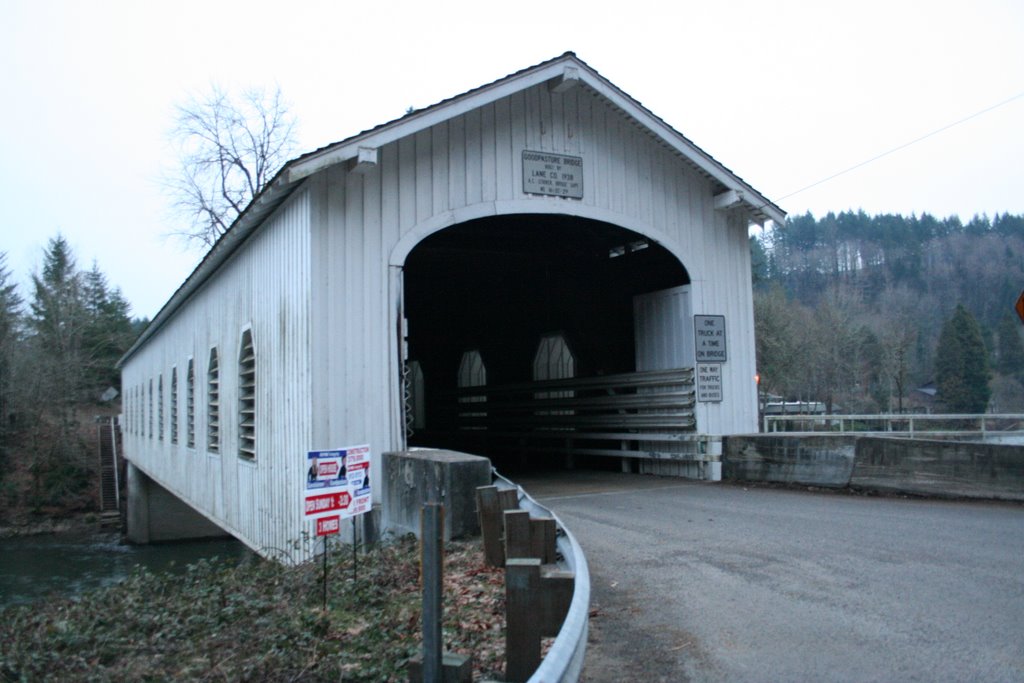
{"x":66,"y":564}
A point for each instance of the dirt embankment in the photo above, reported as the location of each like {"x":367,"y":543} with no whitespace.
{"x":25,"y":523}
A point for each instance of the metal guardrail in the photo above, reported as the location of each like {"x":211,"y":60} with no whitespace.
{"x":564,"y":661}
{"x":901,"y":424}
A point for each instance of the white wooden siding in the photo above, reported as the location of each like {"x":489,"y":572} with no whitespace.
{"x":264,"y":287}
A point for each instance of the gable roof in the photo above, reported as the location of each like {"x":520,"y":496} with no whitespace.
{"x":566,"y":68}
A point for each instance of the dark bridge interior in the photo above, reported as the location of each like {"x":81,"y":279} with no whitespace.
{"x":497,"y":285}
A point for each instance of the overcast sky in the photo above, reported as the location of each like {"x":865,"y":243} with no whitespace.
{"x":783,"y":94}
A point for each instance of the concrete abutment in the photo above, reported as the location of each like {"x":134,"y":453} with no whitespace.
{"x":156,"y":515}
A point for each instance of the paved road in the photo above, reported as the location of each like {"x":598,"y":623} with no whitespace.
{"x":715,"y":582}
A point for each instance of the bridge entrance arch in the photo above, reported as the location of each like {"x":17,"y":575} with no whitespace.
{"x":525,"y":334}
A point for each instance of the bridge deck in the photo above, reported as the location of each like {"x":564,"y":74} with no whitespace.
{"x":713,"y":582}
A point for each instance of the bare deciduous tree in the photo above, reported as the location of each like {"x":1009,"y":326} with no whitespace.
{"x":230,"y":146}
{"x":898,"y":330}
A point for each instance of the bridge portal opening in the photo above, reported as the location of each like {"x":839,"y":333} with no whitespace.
{"x":523,"y":337}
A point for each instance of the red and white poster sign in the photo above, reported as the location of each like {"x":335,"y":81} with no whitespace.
{"x":337,"y":486}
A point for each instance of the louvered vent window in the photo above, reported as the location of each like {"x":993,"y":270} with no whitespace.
{"x":213,"y":404}
{"x":472,"y":373}
{"x":190,"y":405}
{"x":160,"y":408}
{"x":247,"y":398}
{"x":174,"y":405}
{"x":151,"y":408}
{"x":553,"y":360}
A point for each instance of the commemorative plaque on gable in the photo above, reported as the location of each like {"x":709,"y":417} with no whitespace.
{"x":555,"y":175}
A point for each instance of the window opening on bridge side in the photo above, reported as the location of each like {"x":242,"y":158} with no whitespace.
{"x":190,"y":405}
{"x":160,"y":407}
{"x":174,"y":404}
{"x":472,"y":373}
{"x":247,"y":398}
{"x":553,"y":360}
{"x":213,"y":403}
{"x":151,"y":407}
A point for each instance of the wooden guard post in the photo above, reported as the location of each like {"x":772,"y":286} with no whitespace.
{"x":491,"y":503}
{"x":433,"y":664}
{"x":526,"y":537}
{"x":537,"y":593}
{"x":536,"y":601}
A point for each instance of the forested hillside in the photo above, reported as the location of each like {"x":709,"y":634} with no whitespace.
{"x":58,"y":350}
{"x":850,"y":307}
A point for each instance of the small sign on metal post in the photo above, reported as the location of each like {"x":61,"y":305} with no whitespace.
{"x":337,"y":487}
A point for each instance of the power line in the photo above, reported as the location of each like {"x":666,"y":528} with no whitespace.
{"x":905,"y":145}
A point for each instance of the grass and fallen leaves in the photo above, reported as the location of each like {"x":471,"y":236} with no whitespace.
{"x":260,"y":621}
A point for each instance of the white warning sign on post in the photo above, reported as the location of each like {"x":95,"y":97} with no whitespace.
{"x":709,"y":338}
{"x":709,"y":382}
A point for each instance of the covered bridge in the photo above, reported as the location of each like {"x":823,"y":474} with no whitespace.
{"x":539,"y":267}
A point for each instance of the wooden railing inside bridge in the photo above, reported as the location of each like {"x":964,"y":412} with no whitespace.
{"x":639,"y":415}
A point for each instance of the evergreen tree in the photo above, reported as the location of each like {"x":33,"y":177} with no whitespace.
{"x":57,"y":322}
{"x":961,"y":364}
{"x":1010,"y":349}
{"x":77,"y":329}
{"x":108,"y":331}
{"x":758,"y":262}
{"x":10,"y":336}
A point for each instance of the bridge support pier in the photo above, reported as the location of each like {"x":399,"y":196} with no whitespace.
{"x":156,"y":515}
